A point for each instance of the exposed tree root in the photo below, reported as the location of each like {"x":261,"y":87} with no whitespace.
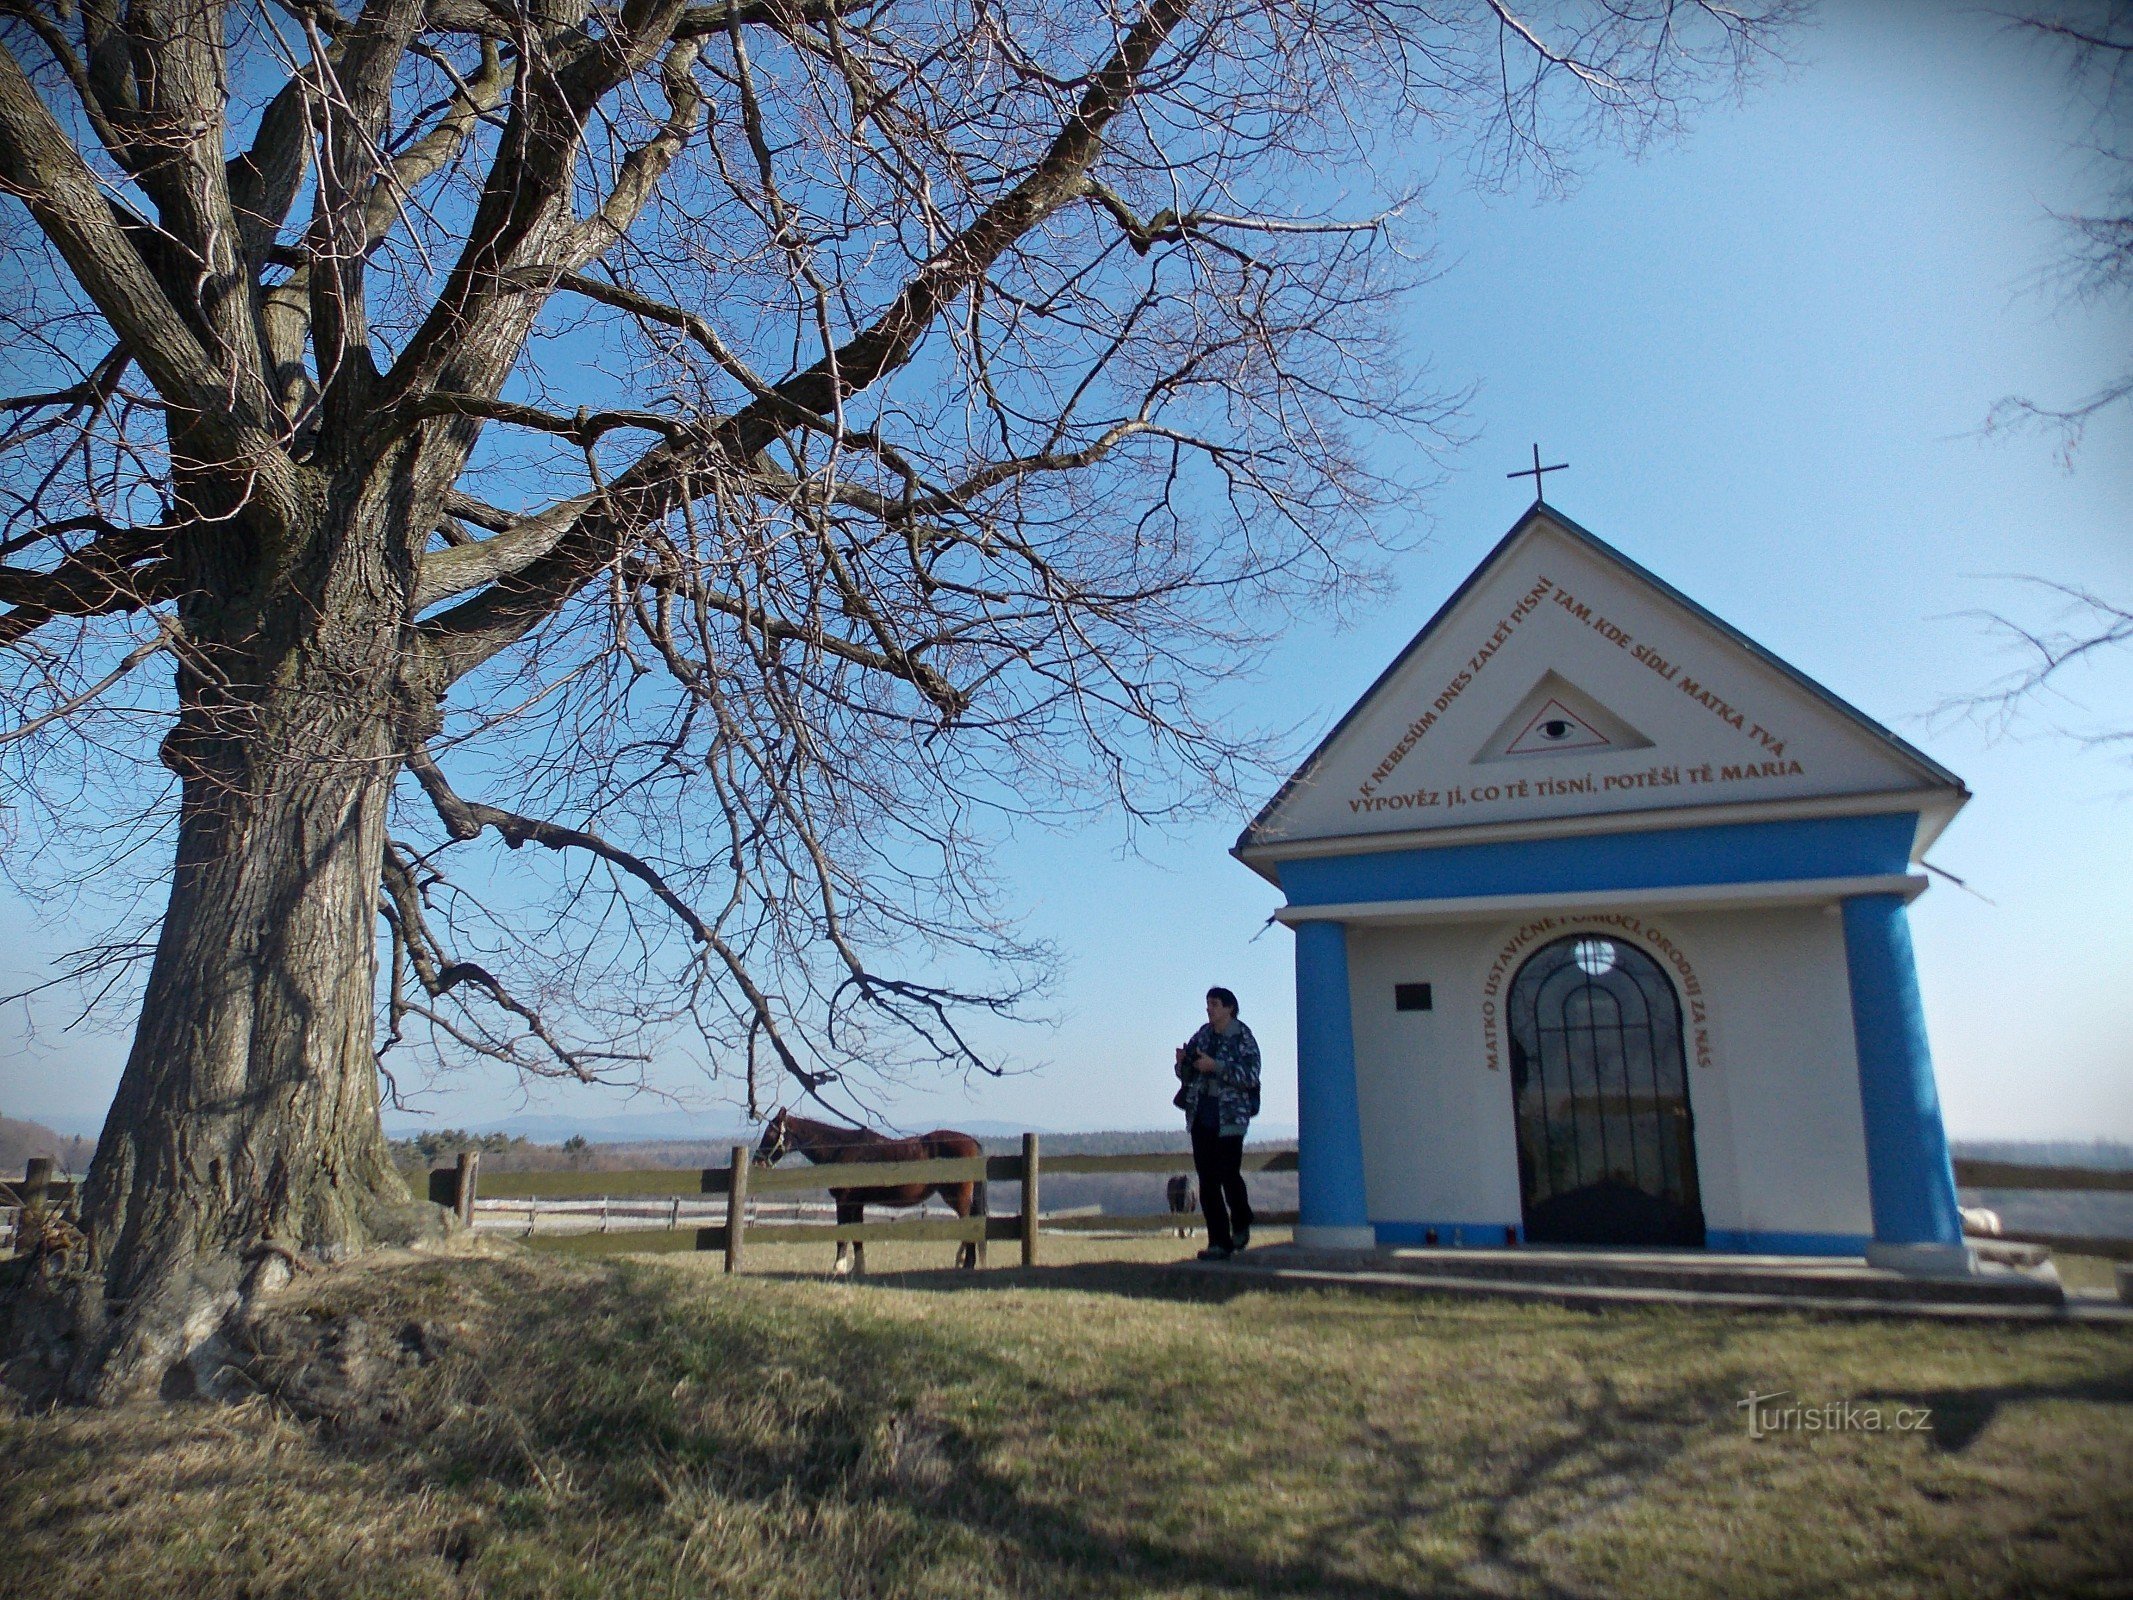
{"x":196,"y":1335}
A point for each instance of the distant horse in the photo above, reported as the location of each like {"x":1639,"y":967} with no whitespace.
{"x":828,"y":1145}
{"x":1183,"y":1202}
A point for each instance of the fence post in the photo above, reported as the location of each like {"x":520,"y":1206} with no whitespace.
{"x":463,"y":1202}
{"x":736,"y":1205}
{"x":36,"y":1182}
{"x":1029,"y":1199}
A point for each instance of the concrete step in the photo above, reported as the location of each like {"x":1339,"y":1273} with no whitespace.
{"x":1667,"y":1275}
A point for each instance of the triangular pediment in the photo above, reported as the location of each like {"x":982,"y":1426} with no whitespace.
{"x":1565,"y":681}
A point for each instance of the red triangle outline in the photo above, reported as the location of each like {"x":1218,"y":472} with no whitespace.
{"x":1596,"y":740}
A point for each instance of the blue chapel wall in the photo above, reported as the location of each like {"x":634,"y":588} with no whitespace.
{"x":1443,"y":1235}
{"x":1911,"y":1188}
{"x":1329,"y":1137}
{"x":1662,"y":858}
{"x":1910,"y":1178}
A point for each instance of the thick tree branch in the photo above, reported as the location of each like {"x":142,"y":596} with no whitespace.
{"x":511,"y":548}
{"x":470,"y":338}
{"x":41,"y":167}
{"x":356,"y":102}
{"x":116,"y":572}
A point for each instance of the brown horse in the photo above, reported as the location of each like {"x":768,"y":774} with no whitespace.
{"x":828,"y":1145}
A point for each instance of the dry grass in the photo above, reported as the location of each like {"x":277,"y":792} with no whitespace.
{"x":2087,"y":1272}
{"x":646,"y":1427}
{"x":763,"y":1256}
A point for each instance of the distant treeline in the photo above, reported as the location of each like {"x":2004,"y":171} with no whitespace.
{"x":21,"y":1140}
{"x":2108,"y":1155}
{"x":506,"y":1152}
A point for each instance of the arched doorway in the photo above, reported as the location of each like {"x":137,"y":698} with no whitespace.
{"x":1606,"y":1147}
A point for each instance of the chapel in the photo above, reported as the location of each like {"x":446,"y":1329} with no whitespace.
{"x":1601,"y":936}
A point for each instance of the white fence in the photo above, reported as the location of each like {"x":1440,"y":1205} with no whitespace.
{"x":626,"y":1214}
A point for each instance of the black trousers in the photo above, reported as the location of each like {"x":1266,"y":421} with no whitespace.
{"x":1222,"y":1196}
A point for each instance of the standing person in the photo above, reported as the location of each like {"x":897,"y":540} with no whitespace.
{"x":1219,"y":1067}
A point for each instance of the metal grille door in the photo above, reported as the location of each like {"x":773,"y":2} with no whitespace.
{"x":1606,"y":1145}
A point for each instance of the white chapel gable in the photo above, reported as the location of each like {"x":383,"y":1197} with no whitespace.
{"x":1564,"y":681}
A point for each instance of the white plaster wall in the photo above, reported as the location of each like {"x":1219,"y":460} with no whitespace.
{"x":1787,"y":1114}
{"x":1438,"y":1137}
{"x":1780,"y":1144}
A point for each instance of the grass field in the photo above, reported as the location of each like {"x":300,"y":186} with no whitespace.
{"x":542,"y":1424}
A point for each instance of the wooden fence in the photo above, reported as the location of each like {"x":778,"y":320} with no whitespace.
{"x":740,"y":1180}
{"x":43,"y":1189}
{"x":2020,"y":1175}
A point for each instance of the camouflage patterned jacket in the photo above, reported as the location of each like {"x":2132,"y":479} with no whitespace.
{"x":1234,"y":1082}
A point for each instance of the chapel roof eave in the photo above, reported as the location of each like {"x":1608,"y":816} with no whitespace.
{"x":1935,"y":809}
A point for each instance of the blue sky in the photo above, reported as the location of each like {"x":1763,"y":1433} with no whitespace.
{"x":1766,"y":353}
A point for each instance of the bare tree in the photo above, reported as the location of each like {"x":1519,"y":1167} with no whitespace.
{"x":2094,"y":41}
{"x":2081,"y":631}
{"x":743,"y":450}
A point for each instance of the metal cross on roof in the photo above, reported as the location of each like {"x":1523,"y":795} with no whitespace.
{"x":1534,"y":472}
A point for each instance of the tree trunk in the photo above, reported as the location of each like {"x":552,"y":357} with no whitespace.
{"x":245,"y":1131}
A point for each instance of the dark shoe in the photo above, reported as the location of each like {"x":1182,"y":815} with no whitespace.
{"x":1216,"y":1253}
{"x":1243,"y":1241}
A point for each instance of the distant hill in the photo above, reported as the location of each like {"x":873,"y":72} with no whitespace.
{"x":20,"y":1140}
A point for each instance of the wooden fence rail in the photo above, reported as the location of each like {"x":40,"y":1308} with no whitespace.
{"x":740,"y":1179}
{"x":2023,"y":1175}
{"x":456,"y":1186}
{"x":43,"y":1188}
{"x":2019,"y":1175}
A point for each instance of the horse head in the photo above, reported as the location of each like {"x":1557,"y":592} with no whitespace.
{"x":777,"y":1140}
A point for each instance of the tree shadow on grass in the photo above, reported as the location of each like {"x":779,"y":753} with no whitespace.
{"x":1959,"y":1416}
{"x":835,"y":1404}
{"x":1186,"y":1283}
{"x":1137,"y":1280}
{"x":1601,"y":1449}
{"x":644,"y":1393}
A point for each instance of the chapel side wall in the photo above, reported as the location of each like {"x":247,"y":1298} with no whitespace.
{"x":1439,"y":1146}
{"x":1781,"y":1144}
{"x":1777,"y":1111}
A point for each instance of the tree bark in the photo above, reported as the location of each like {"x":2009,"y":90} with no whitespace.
{"x":245,"y":1131}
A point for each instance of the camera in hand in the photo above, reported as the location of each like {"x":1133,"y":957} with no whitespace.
{"x":1185,"y":1071}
